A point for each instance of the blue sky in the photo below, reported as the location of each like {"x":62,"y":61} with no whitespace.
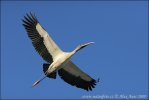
{"x":118,"y":57}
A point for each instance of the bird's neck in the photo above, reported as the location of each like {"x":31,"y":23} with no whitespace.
{"x":77,"y":49}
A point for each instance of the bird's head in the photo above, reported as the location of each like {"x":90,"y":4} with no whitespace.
{"x":79,"y":47}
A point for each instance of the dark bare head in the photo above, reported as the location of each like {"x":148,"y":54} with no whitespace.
{"x":79,"y":47}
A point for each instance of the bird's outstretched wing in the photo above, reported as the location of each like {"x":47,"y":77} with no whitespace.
{"x":74,"y":76}
{"x":41,"y":40}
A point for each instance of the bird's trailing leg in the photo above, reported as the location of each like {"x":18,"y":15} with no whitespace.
{"x":38,"y":81}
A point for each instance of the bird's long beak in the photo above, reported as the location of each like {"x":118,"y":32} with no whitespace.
{"x":82,"y":46}
{"x":89,"y":43}
{"x":86,"y":44}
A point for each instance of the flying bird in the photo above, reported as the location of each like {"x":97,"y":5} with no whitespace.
{"x":57,"y":60}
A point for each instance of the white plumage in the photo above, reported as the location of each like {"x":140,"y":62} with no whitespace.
{"x":57,"y":60}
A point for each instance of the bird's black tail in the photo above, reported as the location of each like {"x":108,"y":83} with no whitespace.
{"x":51,"y":75}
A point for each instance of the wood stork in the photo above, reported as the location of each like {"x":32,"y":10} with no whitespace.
{"x":57,"y":60}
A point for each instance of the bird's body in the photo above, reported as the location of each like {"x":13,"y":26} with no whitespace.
{"x":58,"y":60}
